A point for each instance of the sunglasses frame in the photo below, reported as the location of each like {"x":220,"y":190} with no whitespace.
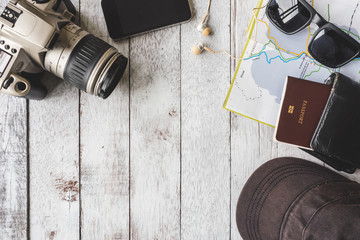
{"x":316,"y":18}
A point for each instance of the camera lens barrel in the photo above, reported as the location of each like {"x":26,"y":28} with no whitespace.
{"x":113,"y":70}
{"x":87,"y":62}
{"x":95,"y":66}
{"x":83,"y":59}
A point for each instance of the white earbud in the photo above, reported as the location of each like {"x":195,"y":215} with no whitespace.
{"x":205,"y":30}
{"x":198,"y":48}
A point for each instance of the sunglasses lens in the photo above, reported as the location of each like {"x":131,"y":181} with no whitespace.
{"x":288,"y":17}
{"x":332,"y":49}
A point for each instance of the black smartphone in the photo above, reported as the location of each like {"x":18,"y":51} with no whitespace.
{"x":126,"y":18}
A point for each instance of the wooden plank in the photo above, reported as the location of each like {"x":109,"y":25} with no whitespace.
{"x":251,"y":142}
{"x":104,"y":128}
{"x":247,"y":154}
{"x":13,"y":168}
{"x":54,"y":163}
{"x":155,"y":135}
{"x":205,"y":145}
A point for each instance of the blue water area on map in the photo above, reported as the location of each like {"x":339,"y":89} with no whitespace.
{"x":266,"y":73}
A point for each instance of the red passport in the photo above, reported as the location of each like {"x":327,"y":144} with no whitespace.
{"x":301,"y":108}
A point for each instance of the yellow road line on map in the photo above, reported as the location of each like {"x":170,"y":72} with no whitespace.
{"x":250,"y":30}
{"x":297,"y":54}
{"x":249,"y":33}
{"x":254,"y":17}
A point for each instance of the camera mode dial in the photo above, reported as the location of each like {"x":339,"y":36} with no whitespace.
{"x":10,"y":15}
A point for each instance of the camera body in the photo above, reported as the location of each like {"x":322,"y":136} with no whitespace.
{"x":41,"y":35}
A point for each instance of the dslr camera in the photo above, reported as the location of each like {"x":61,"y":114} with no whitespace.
{"x":41,"y":35}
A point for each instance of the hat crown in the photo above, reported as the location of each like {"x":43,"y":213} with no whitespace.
{"x":322,"y":211}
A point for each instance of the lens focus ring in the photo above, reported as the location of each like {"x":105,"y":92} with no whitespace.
{"x":83,"y":59}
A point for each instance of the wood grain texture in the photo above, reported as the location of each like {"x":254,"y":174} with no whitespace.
{"x":104,"y":149}
{"x":54,"y":162}
{"x":13,"y":168}
{"x":158,"y":159}
{"x":249,"y":149}
{"x":155,"y":135}
{"x":205,"y":143}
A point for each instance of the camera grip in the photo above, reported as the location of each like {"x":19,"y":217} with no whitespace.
{"x":37,"y":90}
{"x":19,"y":86}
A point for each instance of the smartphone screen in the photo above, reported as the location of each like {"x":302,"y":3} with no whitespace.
{"x":125,"y":18}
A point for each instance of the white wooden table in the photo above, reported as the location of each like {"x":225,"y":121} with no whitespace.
{"x":159,"y":159}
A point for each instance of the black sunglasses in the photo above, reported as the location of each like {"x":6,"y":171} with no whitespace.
{"x":329,"y":45}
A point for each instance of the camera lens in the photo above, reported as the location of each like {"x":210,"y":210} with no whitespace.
{"x":114,"y":70}
{"x":89,"y":63}
{"x":94,"y":66}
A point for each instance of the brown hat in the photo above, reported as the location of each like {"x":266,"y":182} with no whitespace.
{"x":293,"y":199}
